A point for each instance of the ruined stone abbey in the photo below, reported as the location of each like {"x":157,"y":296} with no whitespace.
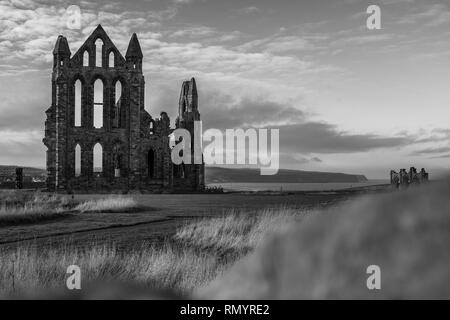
{"x":99,"y":136}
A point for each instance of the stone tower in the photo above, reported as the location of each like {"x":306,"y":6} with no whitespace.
{"x":187,"y":115}
{"x":99,"y":136}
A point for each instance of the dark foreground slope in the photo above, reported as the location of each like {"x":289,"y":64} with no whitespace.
{"x":223,"y":175}
{"x":326,"y":256}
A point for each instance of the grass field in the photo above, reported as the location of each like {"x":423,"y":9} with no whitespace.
{"x":156,"y":241}
{"x":18,"y":208}
{"x":24,"y":207}
{"x":195,"y":255}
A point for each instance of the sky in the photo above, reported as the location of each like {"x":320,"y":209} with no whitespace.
{"x":345,"y":98}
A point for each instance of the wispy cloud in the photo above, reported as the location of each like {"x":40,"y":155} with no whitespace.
{"x":431,"y":15}
{"x":249,"y":10}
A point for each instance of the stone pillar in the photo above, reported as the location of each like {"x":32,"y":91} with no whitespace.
{"x":134,"y":127}
{"x":19,"y":178}
{"x":61,"y":134}
{"x":167,"y":164}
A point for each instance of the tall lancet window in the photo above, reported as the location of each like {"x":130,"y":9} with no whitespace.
{"x":111,"y":60}
{"x":98,"y":158}
{"x":77,"y":160}
{"x":118,"y":104}
{"x":98,"y":104}
{"x":86,"y":59}
{"x":77,"y":103}
{"x":98,"y":53}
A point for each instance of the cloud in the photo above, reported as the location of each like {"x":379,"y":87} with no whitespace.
{"x":223,"y":112}
{"x":325,"y":138}
{"x":203,"y":33}
{"x":429,"y":15}
{"x":282,"y":44}
{"x":362,"y":40}
{"x":22,"y":117}
{"x":298,"y":134}
{"x":193,"y":32}
{"x":289,"y":158}
{"x":444,"y":156}
{"x":183,"y":1}
{"x":436,"y":135}
{"x":431,"y":150}
{"x":29,"y":29}
{"x":22,"y":147}
{"x":397,"y":1}
{"x":249,"y":10}
{"x":23,"y":101}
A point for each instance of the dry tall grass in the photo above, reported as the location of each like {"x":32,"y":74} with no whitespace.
{"x":235,"y":231}
{"x":110,"y":204}
{"x":183,"y":263}
{"x":406,"y":234}
{"x":23,"y":207}
{"x":28,"y":207}
{"x":27,"y":270}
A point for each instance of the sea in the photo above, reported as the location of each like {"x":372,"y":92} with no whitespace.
{"x":257,"y":186}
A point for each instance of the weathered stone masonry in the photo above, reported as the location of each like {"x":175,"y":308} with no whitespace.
{"x":135,"y":146}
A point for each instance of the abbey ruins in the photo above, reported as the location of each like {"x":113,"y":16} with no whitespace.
{"x":99,"y":136}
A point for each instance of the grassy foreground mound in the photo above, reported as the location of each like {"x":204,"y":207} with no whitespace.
{"x":406,"y":234}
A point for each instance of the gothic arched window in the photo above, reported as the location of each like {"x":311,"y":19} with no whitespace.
{"x":98,"y":158}
{"x":118,"y":104}
{"x":77,"y":106}
{"x":98,"y":103}
{"x":77,"y":160}
{"x":152,"y":127}
{"x":98,"y":53}
{"x":111,"y":60}
{"x":85,"y":58}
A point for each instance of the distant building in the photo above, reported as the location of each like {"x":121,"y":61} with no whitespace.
{"x":133,"y":147}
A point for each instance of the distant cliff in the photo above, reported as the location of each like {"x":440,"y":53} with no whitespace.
{"x":223,"y":175}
